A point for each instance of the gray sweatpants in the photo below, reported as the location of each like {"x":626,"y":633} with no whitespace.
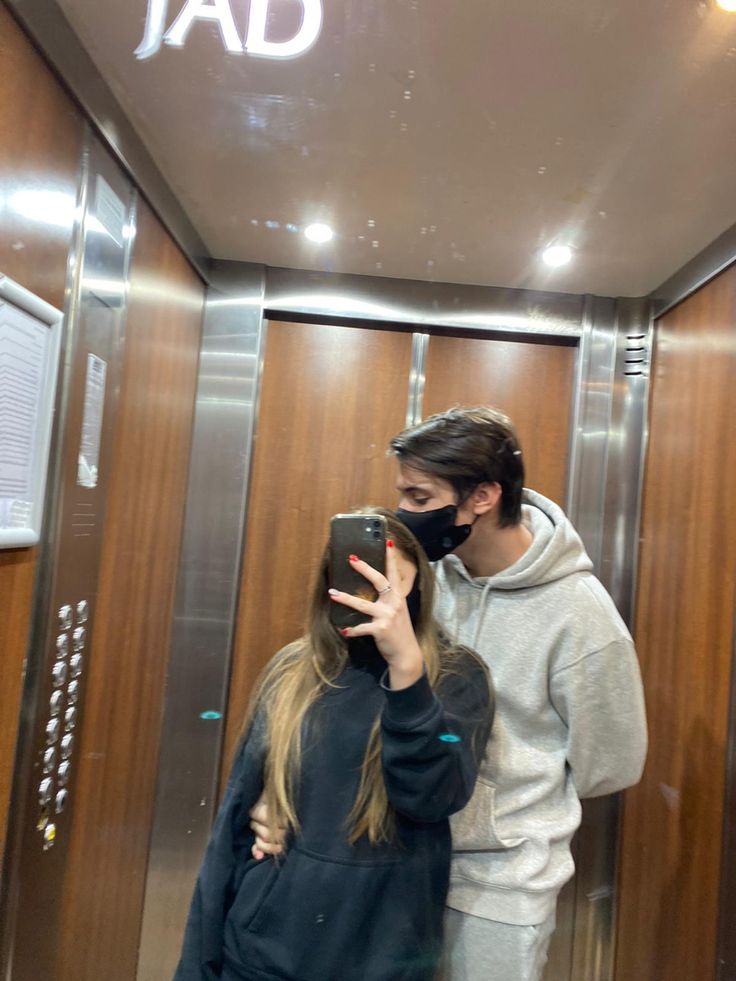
{"x":485,"y":950}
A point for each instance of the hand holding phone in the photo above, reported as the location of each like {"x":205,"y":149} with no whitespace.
{"x":363,"y":535}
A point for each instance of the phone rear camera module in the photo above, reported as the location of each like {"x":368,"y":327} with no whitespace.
{"x":377,"y":535}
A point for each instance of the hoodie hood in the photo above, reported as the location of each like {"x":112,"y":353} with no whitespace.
{"x":556,"y":551}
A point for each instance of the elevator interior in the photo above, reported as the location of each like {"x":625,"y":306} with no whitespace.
{"x":446,"y":149}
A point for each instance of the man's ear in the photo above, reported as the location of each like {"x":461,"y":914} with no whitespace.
{"x":486,"y":497}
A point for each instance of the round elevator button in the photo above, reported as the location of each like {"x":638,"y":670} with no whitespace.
{"x":55,"y":701}
{"x":65,"y":618}
{"x":60,"y":674}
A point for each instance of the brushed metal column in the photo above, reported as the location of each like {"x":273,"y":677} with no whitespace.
{"x":205,"y":606}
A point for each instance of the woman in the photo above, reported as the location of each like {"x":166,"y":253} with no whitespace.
{"x":362,"y":745}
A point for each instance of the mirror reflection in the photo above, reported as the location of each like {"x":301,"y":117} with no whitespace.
{"x":406,"y":641}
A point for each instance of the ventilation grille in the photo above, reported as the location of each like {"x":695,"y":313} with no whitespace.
{"x":636,"y":357}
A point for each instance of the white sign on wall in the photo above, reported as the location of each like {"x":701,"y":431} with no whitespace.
{"x":220,"y":12}
{"x":29,"y":356}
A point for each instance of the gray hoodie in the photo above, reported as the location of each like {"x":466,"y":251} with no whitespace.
{"x":569,"y":723}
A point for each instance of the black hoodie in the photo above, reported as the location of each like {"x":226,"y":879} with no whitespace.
{"x":329,"y":910}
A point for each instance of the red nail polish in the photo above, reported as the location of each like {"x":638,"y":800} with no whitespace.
{"x":353,"y":558}
{"x":343,"y":630}
{"x":390,"y":543}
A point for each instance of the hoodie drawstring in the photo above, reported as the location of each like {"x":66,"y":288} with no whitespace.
{"x":481,"y":617}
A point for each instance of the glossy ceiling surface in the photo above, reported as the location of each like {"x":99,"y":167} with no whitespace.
{"x":441,"y":141}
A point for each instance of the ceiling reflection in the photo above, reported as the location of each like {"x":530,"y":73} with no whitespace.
{"x":440,"y":142}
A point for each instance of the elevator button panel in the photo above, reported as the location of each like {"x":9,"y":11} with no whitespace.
{"x":70,"y":638}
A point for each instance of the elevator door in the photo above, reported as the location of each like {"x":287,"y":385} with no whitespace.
{"x":331,"y":399}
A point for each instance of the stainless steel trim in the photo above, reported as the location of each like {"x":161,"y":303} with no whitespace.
{"x":417,"y":377}
{"x":339,"y":298}
{"x":596,"y":363}
{"x":626,"y":448}
{"x":704,"y":266}
{"x":604,"y":494}
{"x":726,"y":939}
{"x":22,"y":769}
{"x":47,"y":25}
{"x":205,"y":606}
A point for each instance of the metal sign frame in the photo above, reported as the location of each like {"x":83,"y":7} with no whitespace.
{"x":25,"y":529}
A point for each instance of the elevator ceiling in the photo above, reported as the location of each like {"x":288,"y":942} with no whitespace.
{"x":442,"y":140}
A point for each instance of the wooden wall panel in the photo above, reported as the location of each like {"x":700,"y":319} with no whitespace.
{"x":118,"y":753}
{"x":532,"y":383}
{"x":40,"y":150}
{"x":672,"y":822}
{"x":331,"y":399}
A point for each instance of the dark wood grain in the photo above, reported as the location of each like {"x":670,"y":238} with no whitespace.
{"x":118,"y":751}
{"x":331,"y":399}
{"x":40,"y":150}
{"x":531,"y":383}
{"x":672,"y":822}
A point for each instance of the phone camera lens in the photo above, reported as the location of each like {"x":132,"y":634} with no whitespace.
{"x":376,"y":534}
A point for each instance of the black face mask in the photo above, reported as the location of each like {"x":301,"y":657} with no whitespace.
{"x":435,"y":530}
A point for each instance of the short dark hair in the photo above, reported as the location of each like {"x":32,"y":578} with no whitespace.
{"x":467,"y":447}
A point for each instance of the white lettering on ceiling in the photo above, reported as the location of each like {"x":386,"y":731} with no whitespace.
{"x":220,"y":13}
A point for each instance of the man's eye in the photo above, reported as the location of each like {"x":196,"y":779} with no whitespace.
{"x":421,"y":501}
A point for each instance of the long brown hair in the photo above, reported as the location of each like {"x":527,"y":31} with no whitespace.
{"x":301,"y":672}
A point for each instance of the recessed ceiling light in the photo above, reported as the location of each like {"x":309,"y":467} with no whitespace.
{"x":729,"y":5}
{"x":557,"y":255}
{"x":318,"y":232}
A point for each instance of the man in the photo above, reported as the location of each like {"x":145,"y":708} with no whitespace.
{"x":514,"y":583}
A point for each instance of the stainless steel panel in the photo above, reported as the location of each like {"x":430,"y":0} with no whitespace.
{"x":627,"y":440}
{"x":591,"y":414}
{"x":337,"y":298}
{"x":68,"y":563}
{"x":205,"y":606}
{"x":417,"y":377}
{"x":609,"y":437}
{"x":47,"y":25}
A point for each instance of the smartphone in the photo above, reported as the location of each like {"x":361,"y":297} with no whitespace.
{"x":363,"y":535}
